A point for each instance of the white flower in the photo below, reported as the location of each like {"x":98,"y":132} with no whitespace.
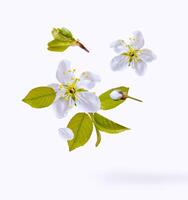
{"x":73,"y":91}
{"x":132,"y":54}
{"x":66,"y":133}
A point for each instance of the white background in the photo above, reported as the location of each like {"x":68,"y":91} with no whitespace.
{"x":148,"y":162}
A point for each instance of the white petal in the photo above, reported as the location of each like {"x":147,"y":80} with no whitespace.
{"x":140,"y":67}
{"x":136,"y":40}
{"x":88,"y":102}
{"x":59,"y":92}
{"x":62,"y":106}
{"x":66,"y":133}
{"x":119,"y":46}
{"x":64,"y":73}
{"x":55,"y":86}
{"x":86,"y":84}
{"x":119,"y":62}
{"x":87,"y":75}
{"x":88,"y":80}
{"x":116,"y":95}
{"x":147,"y":55}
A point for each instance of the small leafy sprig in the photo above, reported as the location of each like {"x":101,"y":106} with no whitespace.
{"x":63,"y":38}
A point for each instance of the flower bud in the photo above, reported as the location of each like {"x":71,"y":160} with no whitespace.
{"x":116,"y":95}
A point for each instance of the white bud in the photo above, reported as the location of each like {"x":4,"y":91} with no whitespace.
{"x":116,"y":95}
{"x":66,"y":133}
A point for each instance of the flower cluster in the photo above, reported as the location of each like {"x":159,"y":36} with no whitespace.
{"x":73,"y":91}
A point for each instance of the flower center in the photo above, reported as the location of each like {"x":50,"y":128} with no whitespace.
{"x":72,"y":90}
{"x":132,"y":54}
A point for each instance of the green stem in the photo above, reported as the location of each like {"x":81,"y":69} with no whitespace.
{"x":97,"y":131}
{"x":98,"y":137}
{"x":134,"y":99}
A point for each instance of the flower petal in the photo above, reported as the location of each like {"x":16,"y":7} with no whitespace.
{"x":116,"y":95}
{"x":55,"y":86}
{"x":88,"y":102}
{"x":64,"y":73}
{"x":119,"y":62}
{"x":147,"y":55}
{"x":140,"y":67}
{"x":62,"y":106}
{"x":119,"y":46}
{"x":66,"y":133}
{"x":59,"y":92}
{"x":88,"y":80}
{"x":136,"y":40}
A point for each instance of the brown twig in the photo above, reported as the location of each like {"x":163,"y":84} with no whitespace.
{"x":82,"y":46}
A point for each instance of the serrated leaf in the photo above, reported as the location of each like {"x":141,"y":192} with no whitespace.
{"x":56,"y":45}
{"x":107,"y":125}
{"x":107,"y":102}
{"x":40,"y":97}
{"x":82,"y":127}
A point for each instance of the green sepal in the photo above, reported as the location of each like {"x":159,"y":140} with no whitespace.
{"x":107,"y":102}
{"x":40,"y":97}
{"x":82,"y":127}
{"x":106,"y":125}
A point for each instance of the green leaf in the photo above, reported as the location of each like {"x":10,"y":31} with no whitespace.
{"x":63,"y":35}
{"x":107,"y":102}
{"x":97,"y":130}
{"x":64,"y":31}
{"x":98,"y":137}
{"x":40,"y":97}
{"x":82,"y":127}
{"x":56,"y":45}
{"x":108,"y":126}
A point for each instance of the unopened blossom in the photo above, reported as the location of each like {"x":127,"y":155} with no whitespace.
{"x":116,"y":95}
{"x":72,"y":91}
{"x":132,"y":53}
{"x":121,"y":95}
